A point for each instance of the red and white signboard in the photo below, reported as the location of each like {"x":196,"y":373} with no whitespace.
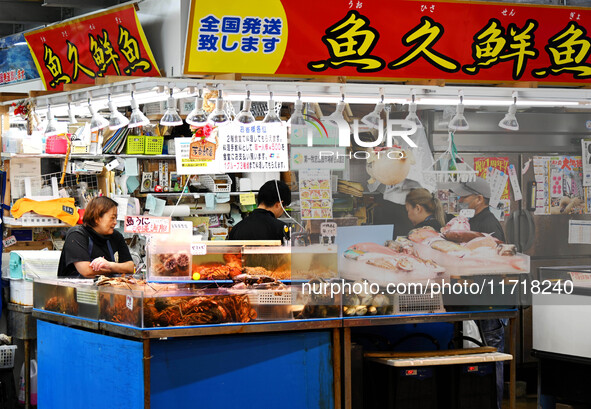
{"x":147,"y":225}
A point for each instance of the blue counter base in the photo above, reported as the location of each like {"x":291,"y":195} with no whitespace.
{"x":81,"y":369}
{"x":84,"y":369}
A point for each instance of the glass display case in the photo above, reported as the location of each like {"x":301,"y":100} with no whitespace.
{"x":77,"y":297}
{"x":146,"y":306}
{"x":169,"y":258}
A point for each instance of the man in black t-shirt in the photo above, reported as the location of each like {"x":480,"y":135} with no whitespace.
{"x":262,"y":223}
{"x":477,"y":195}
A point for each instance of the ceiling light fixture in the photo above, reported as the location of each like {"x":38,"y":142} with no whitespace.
{"x":137,"y":117}
{"x":509,"y":122}
{"x":71,"y":116}
{"x":171,"y":117}
{"x":97,"y":122}
{"x":51,"y":128}
{"x":297,"y":118}
{"x":197,"y":117}
{"x":219,"y":116}
{"x":412,"y":111}
{"x":245,"y":116}
{"x":459,"y":122}
{"x":271,"y":116}
{"x":117,"y":119}
{"x":372,"y":119}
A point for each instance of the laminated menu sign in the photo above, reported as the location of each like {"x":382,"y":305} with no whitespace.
{"x":147,"y":225}
{"x":315,"y":194}
{"x":257,"y":147}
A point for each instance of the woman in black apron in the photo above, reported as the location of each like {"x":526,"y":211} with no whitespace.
{"x":95,"y":247}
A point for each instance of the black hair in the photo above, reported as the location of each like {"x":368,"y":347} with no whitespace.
{"x":268,"y":193}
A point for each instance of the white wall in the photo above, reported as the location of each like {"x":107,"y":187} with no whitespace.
{"x":165,"y":25}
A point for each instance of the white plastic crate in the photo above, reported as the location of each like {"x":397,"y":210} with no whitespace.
{"x":418,"y":303}
{"x":7,"y":356}
{"x":270,"y":297}
{"x":216,"y":183}
{"x":21,"y":292}
{"x":32,"y":219}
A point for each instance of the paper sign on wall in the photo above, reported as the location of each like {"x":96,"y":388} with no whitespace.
{"x":247,"y":199}
{"x":315,"y":194}
{"x":187,"y":166}
{"x":147,"y":225}
{"x":257,"y":147}
{"x":586,"y":161}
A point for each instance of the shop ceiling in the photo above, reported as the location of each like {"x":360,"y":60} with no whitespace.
{"x":23,"y":15}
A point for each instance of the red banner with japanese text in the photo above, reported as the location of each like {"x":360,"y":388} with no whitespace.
{"x":79,"y":50}
{"x":405,"y":39}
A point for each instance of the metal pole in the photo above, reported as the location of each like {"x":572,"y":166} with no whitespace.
{"x":27,"y":373}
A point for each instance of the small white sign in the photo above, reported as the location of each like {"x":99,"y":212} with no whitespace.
{"x":198,"y":249}
{"x":579,"y":232}
{"x":328,"y":229}
{"x":515,"y":183}
{"x":9,"y":241}
{"x":181,"y":225}
{"x":129,"y":302}
{"x":467,"y":213}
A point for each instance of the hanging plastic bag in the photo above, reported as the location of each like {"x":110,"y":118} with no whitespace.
{"x":470,"y":329}
{"x":33,"y":383}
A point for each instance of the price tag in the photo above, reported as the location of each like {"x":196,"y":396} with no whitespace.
{"x":9,"y":241}
{"x":328,"y":229}
{"x":129,"y":302}
{"x":147,"y":225}
{"x":198,"y":249}
{"x":247,"y":199}
{"x":467,"y":213}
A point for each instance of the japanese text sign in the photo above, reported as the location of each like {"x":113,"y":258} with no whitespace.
{"x":16,"y":63}
{"x":185,"y":165}
{"x":257,"y":147}
{"x":481,"y":42}
{"x":80,"y":50}
{"x":147,"y":225}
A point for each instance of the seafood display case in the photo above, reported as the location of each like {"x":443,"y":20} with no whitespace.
{"x":76,"y":297}
{"x":169,"y":258}
{"x":152,"y":305}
